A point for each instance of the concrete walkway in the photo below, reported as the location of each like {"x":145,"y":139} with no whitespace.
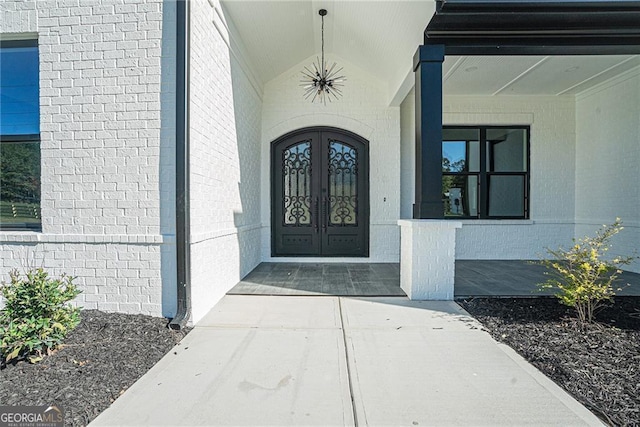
{"x":333,"y":361}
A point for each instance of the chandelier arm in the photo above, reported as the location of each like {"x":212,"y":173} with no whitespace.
{"x":318,"y":80}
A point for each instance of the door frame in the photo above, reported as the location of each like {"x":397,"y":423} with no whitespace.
{"x":366,"y":197}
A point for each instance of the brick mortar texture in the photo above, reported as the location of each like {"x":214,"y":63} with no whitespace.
{"x":552,"y":179}
{"x":225,"y":159}
{"x":112,"y":277}
{"x":607,"y":178}
{"x":364,"y":110}
{"x":100,"y":125}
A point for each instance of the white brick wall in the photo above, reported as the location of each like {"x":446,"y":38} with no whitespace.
{"x":364,"y":110}
{"x":225,"y":153}
{"x":607,"y":159}
{"x":552,"y":121}
{"x":120,"y":277}
{"x":427,"y":266}
{"x":101,"y":117}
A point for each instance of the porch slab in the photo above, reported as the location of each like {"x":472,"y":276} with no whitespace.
{"x":473,"y":278}
{"x":517,"y":278}
{"x":315,"y":279}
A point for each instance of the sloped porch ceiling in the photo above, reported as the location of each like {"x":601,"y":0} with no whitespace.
{"x":381,"y":36}
{"x":378,"y":36}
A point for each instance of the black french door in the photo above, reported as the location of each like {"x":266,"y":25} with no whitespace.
{"x":320,"y":194}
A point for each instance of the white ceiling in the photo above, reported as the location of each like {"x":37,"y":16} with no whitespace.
{"x":530,"y":75}
{"x":381,"y":37}
{"x":378,"y":36}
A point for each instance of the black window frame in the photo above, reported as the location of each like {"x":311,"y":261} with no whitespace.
{"x":484,"y":175}
{"x":26,"y":139}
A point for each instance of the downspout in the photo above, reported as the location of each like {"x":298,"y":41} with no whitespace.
{"x":183,"y":238}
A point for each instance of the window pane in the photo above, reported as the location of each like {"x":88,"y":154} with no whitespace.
{"x":460,"y":195}
{"x":297,"y":184}
{"x":343,"y":184}
{"x":506,"y":195}
{"x":460,"y":150}
{"x":20,"y":184}
{"x":507,"y":150}
{"x":19,"y":104}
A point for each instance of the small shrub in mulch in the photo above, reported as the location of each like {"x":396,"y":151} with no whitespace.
{"x":37,"y":315}
{"x":99,"y":360}
{"x":583,"y":275}
{"x":598,"y":363}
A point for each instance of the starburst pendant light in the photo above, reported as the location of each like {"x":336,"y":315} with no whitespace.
{"x":322,"y":83}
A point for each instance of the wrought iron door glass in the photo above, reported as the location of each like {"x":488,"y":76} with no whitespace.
{"x":296,"y":175}
{"x":343,"y":184}
{"x":320,"y":196}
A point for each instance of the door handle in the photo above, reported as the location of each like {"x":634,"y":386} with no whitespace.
{"x":316,"y":214}
{"x":325,"y":218}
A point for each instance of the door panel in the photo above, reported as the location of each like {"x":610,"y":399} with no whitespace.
{"x":295,"y":209}
{"x":345,"y":195}
{"x":320,"y":196}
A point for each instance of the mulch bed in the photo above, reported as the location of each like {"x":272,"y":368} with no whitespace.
{"x":99,"y":360}
{"x":599,"y":364}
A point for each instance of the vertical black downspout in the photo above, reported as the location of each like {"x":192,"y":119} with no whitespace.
{"x":183,"y":238}
{"x":427,"y":64}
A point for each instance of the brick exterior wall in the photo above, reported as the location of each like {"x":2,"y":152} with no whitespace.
{"x":553,"y":158}
{"x":607,"y":159}
{"x":101,"y":121}
{"x":107,"y":100}
{"x":363,"y":110}
{"x":226,"y":109}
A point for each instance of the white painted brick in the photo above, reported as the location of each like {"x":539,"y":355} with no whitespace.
{"x":607,"y":159}
{"x":363,"y":110}
{"x":552,"y":121}
{"x":80,"y":44}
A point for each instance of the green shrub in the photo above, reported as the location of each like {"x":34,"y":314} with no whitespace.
{"x":582,"y":276}
{"x":36,"y":316}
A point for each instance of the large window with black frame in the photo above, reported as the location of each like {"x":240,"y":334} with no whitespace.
{"x":19,"y":135}
{"x":485,"y":172}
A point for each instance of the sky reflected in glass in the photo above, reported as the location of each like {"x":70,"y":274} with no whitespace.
{"x":19,"y":94}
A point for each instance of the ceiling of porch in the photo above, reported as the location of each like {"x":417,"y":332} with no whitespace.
{"x":381,"y":37}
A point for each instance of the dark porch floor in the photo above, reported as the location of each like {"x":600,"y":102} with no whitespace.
{"x":343,"y":279}
{"x":473,"y":278}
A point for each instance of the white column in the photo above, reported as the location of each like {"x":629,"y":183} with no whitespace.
{"x":427,"y":258}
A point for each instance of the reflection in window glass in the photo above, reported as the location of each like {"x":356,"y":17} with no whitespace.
{"x":485,"y":171}
{"x":19,"y":101}
{"x":460,"y":150}
{"x":20,"y":184}
{"x":506,"y":195}
{"x":507,"y":150}
{"x":19,"y":135}
{"x":460,"y":195}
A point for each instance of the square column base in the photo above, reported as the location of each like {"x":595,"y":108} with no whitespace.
{"x":428,"y":258}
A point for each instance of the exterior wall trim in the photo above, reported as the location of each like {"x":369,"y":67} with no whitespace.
{"x":32,"y":237}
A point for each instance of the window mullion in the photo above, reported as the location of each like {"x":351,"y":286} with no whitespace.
{"x":483,"y":199}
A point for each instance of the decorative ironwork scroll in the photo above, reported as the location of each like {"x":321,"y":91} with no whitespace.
{"x":343,"y":184}
{"x":296,"y":175}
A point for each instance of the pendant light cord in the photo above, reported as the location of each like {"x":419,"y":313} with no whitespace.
{"x":323,"y":66}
